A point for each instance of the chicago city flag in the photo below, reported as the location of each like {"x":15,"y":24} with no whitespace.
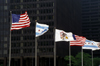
{"x":61,"y":35}
{"x":41,"y":29}
{"x":20,"y":21}
{"x":80,"y":40}
{"x":91,"y":45}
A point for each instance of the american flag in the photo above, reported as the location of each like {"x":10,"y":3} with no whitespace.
{"x":20,"y":21}
{"x":80,"y":40}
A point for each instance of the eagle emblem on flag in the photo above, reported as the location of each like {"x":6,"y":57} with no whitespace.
{"x":63,"y":35}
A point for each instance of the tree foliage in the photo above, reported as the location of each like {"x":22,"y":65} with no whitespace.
{"x":77,"y":60}
{"x":96,"y":61}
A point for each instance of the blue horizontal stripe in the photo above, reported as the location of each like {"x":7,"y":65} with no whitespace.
{"x":90,"y":46}
{"x":38,"y":33}
{"x":89,"y":41}
{"x":42,"y":27}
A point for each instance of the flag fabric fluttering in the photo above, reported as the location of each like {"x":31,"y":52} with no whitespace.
{"x":41,"y":29}
{"x":61,"y":35}
{"x":20,"y":21}
{"x":80,"y":40}
{"x":91,"y":45}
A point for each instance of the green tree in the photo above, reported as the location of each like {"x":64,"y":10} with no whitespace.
{"x":76,"y":61}
{"x":1,"y":64}
{"x":86,"y":59}
{"x":96,"y":61}
{"x":72,"y":59}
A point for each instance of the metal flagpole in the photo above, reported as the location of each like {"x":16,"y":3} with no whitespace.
{"x":69,"y":55}
{"x":35,"y":45}
{"x":10,"y":39}
{"x":82,"y":56}
{"x":54,"y":48}
{"x":92,"y":57}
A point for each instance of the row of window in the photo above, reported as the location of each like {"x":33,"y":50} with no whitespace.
{"x":47,"y":17}
{"x":29,"y":31}
{"x":3,"y":1}
{"x":46,"y":43}
{"x":91,"y":17}
{"x":18,"y":38}
{"x":45,"y":50}
{"x":30,"y":44}
{"x":29,"y":6}
{"x":18,"y":1}
{"x":15,"y":51}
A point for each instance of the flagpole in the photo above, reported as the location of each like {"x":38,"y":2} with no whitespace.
{"x":92,"y":57}
{"x":54,"y":48}
{"x":10,"y":39}
{"x":69,"y":55}
{"x":82,"y":56}
{"x":35,"y":45}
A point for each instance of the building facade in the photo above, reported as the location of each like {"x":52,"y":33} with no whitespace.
{"x":91,"y":21}
{"x":61,"y":14}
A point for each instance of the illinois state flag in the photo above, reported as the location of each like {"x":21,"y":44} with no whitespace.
{"x":20,"y":21}
{"x":61,"y":35}
{"x":80,"y":40}
{"x":41,"y":29}
{"x":91,"y":45}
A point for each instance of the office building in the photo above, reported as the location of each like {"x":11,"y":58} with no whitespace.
{"x":91,"y":21}
{"x":60,"y":14}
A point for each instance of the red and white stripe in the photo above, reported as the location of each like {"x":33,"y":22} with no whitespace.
{"x":80,"y":40}
{"x":24,"y":21}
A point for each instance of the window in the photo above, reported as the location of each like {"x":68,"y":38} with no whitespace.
{"x":29,"y":0}
{"x":43,"y":11}
{"x":5,"y":45}
{"x":46,"y":4}
{"x":5,"y":38}
{"x":29,"y":6}
{"x":15,"y":51}
{"x":14,"y":38}
{"x":5,"y":7}
{"x":43,"y":0}
{"x":48,"y":17}
{"x":14,"y":1}
{"x":45,"y":49}
{"x":27,"y":50}
{"x":5,"y":51}
{"x":28,"y":44}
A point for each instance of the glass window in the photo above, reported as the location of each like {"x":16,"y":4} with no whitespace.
{"x":21,"y":51}
{"x":5,"y":1}
{"x":1,"y":1}
{"x":0,"y":51}
{"x":5,"y":51}
{"x":46,"y":4}
{"x":5,"y":38}
{"x":5,"y":45}
{"x":21,"y":6}
{"x":21,"y":0}
{"x":1,"y":7}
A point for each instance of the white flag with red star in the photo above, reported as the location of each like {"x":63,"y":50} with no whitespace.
{"x":91,"y":45}
{"x":41,"y":29}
